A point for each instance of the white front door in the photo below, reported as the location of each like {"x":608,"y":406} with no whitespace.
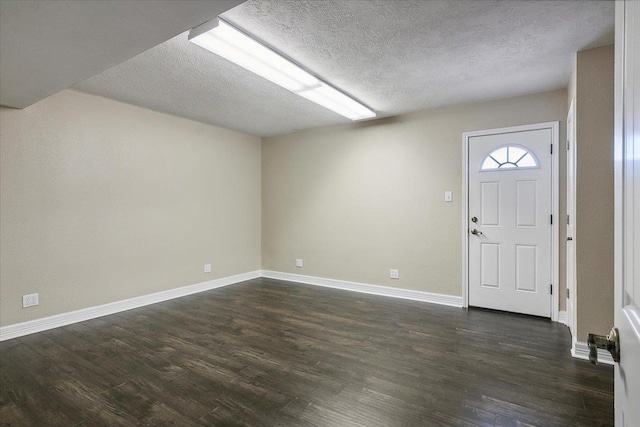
{"x":510,"y":206}
{"x":627,"y":211}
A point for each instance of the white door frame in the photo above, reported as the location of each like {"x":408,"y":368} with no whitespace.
{"x":571,"y":212}
{"x":555,"y":206}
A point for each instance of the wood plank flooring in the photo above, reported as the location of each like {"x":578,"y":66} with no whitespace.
{"x":271,"y":353}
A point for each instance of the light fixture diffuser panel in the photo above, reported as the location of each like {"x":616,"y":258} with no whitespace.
{"x":225,"y":40}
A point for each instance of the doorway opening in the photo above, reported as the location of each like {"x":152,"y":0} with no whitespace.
{"x":510,"y":219}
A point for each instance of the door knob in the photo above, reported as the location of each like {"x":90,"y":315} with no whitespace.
{"x":610,"y":342}
{"x":476,"y":232}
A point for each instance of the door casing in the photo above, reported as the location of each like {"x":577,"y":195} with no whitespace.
{"x":572,"y":307}
{"x":555,"y":205}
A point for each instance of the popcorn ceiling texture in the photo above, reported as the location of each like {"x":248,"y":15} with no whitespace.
{"x":47,"y":46}
{"x":394,"y":56}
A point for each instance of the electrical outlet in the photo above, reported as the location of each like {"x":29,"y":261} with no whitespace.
{"x":207,"y":268}
{"x":394,"y":274}
{"x":298,"y":263}
{"x":30,"y":300}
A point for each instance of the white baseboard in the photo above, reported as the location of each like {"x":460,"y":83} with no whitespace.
{"x":386,"y":291}
{"x":562,"y":317}
{"x":580,"y":350}
{"x":38,"y":325}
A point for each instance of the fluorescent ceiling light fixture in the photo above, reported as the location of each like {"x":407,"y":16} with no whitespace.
{"x":227,"y":41}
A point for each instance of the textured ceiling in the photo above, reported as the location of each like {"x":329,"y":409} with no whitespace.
{"x":394,"y":56}
{"x":46,"y":46}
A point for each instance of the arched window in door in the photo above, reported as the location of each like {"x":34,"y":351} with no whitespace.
{"x":509,"y":157}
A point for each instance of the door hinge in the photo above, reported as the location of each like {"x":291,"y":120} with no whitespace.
{"x":568,"y":220}
{"x":567,"y":145}
{"x":567,"y":293}
{"x":551,"y":219}
{"x":551,"y":289}
{"x":551,"y":148}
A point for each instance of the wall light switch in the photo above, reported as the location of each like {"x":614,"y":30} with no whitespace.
{"x":448,"y":196}
{"x":298,"y":263}
{"x":207,"y":268}
{"x":394,"y":274}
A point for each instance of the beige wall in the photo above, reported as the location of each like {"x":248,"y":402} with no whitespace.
{"x":354,"y":201}
{"x":594,"y":191}
{"x":102,"y":201}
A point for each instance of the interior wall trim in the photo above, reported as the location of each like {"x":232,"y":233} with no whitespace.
{"x":450,"y":300}
{"x":562,"y":317}
{"x":580,"y":350}
{"x":58,"y":320}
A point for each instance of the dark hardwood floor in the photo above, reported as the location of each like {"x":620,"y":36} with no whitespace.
{"x":270,"y":353}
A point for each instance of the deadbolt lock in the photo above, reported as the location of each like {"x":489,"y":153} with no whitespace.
{"x":474,"y":219}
